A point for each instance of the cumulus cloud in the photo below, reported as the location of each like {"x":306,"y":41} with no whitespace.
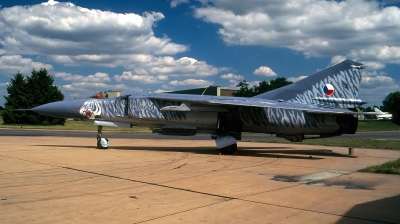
{"x":175,"y":3}
{"x":11,"y":64}
{"x":191,"y":82}
{"x":374,"y":73}
{"x":374,"y":81}
{"x":65,"y":29}
{"x":146,"y":64}
{"x":337,"y":59}
{"x":359,"y":29}
{"x":86,"y":89}
{"x":98,"y":77}
{"x":145,"y":79}
{"x":183,"y":67}
{"x":374,"y":65}
{"x":264,"y":71}
{"x":296,"y":79}
{"x":232,"y":76}
{"x":160,"y":91}
{"x":376,"y":88}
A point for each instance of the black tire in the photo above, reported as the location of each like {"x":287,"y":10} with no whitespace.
{"x":228,"y":150}
{"x":99,"y":144}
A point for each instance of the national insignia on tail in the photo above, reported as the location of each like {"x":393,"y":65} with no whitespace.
{"x":328,"y":89}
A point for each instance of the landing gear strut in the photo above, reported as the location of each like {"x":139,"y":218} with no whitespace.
{"x":102,"y":143}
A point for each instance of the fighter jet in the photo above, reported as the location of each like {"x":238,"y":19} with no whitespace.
{"x":320,"y":105}
{"x":382,"y":115}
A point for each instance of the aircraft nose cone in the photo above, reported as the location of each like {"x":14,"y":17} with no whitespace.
{"x":62,"y":109}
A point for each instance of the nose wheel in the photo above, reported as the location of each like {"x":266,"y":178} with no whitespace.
{"x":102,"y":143}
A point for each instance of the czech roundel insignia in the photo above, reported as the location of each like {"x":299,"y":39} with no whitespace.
{"x":328,"y":89}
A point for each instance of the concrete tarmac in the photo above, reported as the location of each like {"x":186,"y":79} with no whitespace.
{"x":68,"y":180}
{"x":381,"y":135}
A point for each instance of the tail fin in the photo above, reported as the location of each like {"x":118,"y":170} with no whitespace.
{"x":378,"y":111}
{"x":336,"y":86}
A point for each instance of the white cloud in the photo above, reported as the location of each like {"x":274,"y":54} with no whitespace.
{"x":183,"y":67}
{"x":374,"y":65}
{"x":373,"y":73}
{"x":145,"y":64}
{"x":145,"y":79}
{"x":376,"y":88}
{"x":98,"y":77}
{"x":264,"y":71}
{"x":175,"y":3}
{"x":232,"y":76}
{"x":11,"y":64}
{"x":360,"y":29}
{"x":337,"y":59}
{"x":65,"y":29}
{"x":191,"y":82}
{"x":296,"y":79}
{"x":86,"y":89}
{"x":374,"y":81}
{"x":160,"y":91}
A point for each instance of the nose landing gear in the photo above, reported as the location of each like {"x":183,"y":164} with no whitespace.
{"x":102,"y":143}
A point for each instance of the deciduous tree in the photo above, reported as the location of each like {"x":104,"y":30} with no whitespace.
{"x":29,"y":92}
{"x":262,"y":87}
{"x":391,"y":104}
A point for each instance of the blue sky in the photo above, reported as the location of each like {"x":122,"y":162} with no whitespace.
{"x":164,"y":45}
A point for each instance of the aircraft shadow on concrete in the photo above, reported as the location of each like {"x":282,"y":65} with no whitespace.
{"x":383,"y":211}
{"x":268,"y":152}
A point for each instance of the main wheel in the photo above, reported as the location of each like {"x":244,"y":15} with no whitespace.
{"x":228,"y":150}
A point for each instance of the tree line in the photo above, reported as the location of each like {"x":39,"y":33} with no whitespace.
{"x":29,"y":92}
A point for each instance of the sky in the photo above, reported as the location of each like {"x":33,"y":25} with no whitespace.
{"x":165,"y":45}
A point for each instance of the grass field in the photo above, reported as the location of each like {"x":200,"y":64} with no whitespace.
{"x":375,"y":125}
{"x":391,"y":167}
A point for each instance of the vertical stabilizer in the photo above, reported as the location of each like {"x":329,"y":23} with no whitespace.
{"x":378,"y":111}
{"x":336,"y":86}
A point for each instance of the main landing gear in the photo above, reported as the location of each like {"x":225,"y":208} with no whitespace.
{"x":226,"y":145}
{"x":229,"y":128}
{"x":102,"y":143}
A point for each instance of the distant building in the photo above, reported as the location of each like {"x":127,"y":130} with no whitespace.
{"x":106,"y":94}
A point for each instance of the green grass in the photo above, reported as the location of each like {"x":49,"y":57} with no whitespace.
{"x":363,"y":143}
{"x":375,"y":125}
{"x":391,"y":167}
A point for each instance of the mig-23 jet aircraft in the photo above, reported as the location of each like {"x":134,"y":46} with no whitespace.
{"x":322,"y":104}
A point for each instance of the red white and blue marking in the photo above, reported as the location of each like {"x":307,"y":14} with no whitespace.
{"x":328,"y":89}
